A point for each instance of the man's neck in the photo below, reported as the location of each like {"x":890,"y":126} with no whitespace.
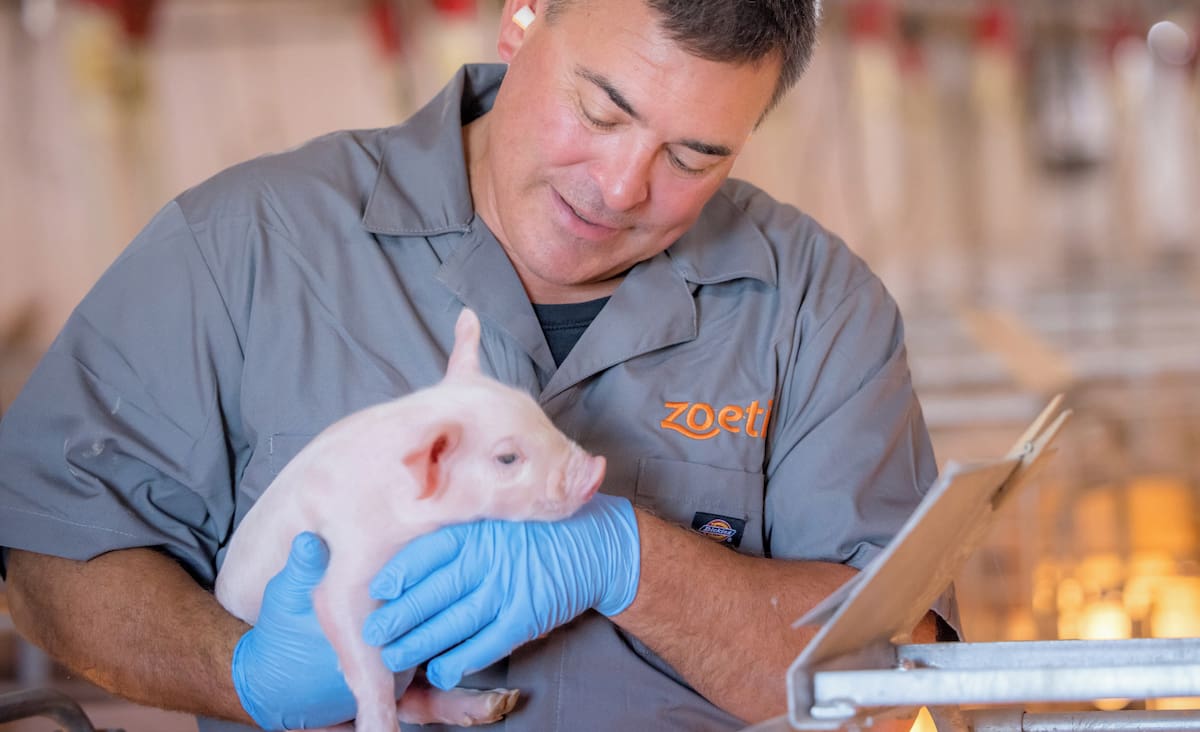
{"x":475,"y":152}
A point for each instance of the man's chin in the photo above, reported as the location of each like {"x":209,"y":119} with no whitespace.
{"x":562,"y":288}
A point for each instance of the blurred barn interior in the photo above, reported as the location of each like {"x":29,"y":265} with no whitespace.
{"x":1024,"y":176}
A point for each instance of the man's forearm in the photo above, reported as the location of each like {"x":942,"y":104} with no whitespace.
{"x":724,"y":620}
{"x":134,"y":623}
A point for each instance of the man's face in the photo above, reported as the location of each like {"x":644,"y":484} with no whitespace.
{"x":605,"y":142}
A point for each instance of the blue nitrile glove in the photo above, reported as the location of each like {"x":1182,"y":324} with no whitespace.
{"x":493,"y":585}
{"x":284,"y":670}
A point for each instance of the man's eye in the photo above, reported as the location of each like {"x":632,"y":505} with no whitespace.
{"x":598,"y":124}
{"x":684,"y":167}
{"x":507,"y":458}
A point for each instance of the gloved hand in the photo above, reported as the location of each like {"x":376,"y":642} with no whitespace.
{"x":493,"y":585}
{"x":284,"y":670}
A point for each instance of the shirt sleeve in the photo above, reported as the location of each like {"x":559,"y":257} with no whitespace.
{"x":121,"y":436}
{"x":851,"y":455}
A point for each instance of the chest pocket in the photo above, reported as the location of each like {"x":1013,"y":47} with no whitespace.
{"x":724,"y":505}
{"x":281,"y":448}
{"x":273,"y":452}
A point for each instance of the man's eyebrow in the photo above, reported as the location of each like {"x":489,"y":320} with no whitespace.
{"x":707,"y":148}
{"x":704,"y":148}
{"x":617,"y":97}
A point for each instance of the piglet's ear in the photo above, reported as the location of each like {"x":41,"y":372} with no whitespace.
{"x":464,"y":359}
{"x":429,"y":459}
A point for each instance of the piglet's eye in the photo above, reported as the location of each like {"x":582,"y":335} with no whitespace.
{"x":507,"y":458}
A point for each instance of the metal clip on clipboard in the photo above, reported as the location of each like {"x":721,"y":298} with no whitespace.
{"x":852,"y":674}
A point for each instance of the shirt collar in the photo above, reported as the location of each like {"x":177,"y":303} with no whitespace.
{"x":422,"y":188}
{"x":724,"y":244}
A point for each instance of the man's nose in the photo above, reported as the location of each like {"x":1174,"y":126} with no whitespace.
{"x":623,"y":176}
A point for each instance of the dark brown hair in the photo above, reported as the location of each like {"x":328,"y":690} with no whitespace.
{"x":736,"y":31}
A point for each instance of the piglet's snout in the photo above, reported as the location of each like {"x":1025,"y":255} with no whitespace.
{"x":584,"y":475}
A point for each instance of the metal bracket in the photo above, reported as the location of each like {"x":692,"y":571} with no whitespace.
{"x":956,"y":674}
{"x":46,"y":703}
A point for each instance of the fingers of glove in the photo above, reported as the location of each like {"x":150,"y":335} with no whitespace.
{"x":447,"y":629}
{"x":419,"y":558}
{"x":290,"y":591}
{"x":436,"y":592}
{"x":491,"y":644}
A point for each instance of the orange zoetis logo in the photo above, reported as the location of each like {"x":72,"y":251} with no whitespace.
{"x":701,"y":421}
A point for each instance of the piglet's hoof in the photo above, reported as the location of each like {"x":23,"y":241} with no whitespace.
{"x":491,"y":706}
{"x":465,"y":707}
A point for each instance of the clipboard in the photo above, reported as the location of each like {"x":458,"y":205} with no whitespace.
{"x":891,"y":595}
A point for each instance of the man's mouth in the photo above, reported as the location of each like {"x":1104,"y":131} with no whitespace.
{"x":590,"y":220}
{"x":581,"y":217}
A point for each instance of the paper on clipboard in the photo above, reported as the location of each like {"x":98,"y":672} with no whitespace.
{"x":894,"y":592}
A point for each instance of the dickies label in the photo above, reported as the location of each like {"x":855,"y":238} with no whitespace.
{"x":721,"y":529}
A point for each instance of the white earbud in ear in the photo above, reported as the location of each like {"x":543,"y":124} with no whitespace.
{"x":523,"y":17}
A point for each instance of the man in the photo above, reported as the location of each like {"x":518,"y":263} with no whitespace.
{"x":741,"y":371}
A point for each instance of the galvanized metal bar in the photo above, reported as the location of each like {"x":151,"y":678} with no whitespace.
{"x":1051,"y":654}
{"x":1120,"y":721}
{"x":835,"y":691}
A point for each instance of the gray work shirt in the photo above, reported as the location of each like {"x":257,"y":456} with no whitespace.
{"x":749,"y":382}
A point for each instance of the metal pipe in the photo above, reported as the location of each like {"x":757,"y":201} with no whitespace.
{"x":1139,"y":721}
{"x":838,"y":690}
{"x":45,"y":703}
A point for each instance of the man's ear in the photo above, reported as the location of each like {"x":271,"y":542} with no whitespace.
{"x":428,"y":461}
{"x":515,"y":20}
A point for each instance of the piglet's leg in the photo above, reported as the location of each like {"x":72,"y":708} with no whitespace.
{"x":424,"y":704}
{"x":342,"y":603}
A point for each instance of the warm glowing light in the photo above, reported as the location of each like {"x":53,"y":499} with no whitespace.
{"x":1068,"y":626}
{"x":1104,"y":620}
{"x":923,"y":723}
{"x":1182,"y":702}
{"x":1070,"y":595}
{"x":1020,"y":626}
{"x":1097,"y":516}
{"x":1132,"y":545}
{"x":1045,"y":587}
{"x":1101,"y":572}
{"x":1139,"y":596}
{"x":1151,"y":564}
{"x":1176,"y":611}
{"x":1147,"y":571}
{"x":1161,"y":515}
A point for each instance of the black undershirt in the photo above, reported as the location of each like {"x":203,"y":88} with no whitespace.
{"x":564,"y":324}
